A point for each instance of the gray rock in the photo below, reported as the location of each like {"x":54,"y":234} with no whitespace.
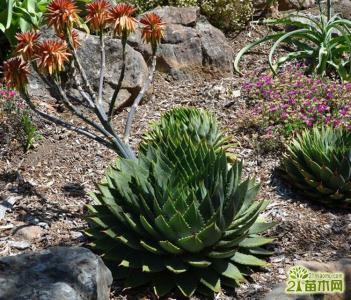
{"x":191,"y":45}
{"x":29,"y":233}
{"x":136,"y":68}
{"x":59,"y":273}
{"x":19,"y":245}
{"x":76,"y":235}
{"x":186,"y":16}
{"x":89,"y":54}
{"x":216,"y":52}
{"x":343,"y":8}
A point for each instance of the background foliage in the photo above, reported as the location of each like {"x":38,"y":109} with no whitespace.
{"x":225,"y":14}
{"x":21,"y":15}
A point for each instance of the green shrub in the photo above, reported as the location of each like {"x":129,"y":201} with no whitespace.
{"x":30,"y":130}
{"x":16,"y":124}
{"x":20,"y":15}
{"x":143,"y":5}
{"x":183,"y":2}
{"x":279,"y":107}
{"x":228,"y":14}
{"x":325,"y":45}
{"x":178,"y":218}
{"x":225,"y":14}
{"x":318,"y":163}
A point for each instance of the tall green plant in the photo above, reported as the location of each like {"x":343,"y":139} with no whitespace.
{"x":20,"y":15}
{"x":323,"y":44}
{"x":178,"y":218}
{"x":30,"y":130}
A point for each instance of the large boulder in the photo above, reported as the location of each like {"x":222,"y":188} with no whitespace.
{"x":89,"y":54}
{"x":59,"y":273}
{"x":191,"y":45}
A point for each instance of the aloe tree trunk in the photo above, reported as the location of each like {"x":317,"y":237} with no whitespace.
{"x":329,"y":9}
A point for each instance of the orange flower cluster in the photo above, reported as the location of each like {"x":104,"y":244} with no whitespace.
{"x":26,"y":44}
{"x":74,"y":35}
{"x":62,"y":15}
{"x":122,"y":20}
{"x":98,"y":14}
{"x":153,"y":30}
{"x":51,"y":55}
{"x":16,"y":73}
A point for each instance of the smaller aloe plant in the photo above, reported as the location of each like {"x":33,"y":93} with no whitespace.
{"x":178,"y":218}
{"x":324,"y":44}
{"x":199,"y":124}
{"x":318,"y":163}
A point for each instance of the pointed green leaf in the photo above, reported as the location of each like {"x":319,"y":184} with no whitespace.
{"x":249,"y":260}
{"x":191,"y":243}
{"x":255,"y":242}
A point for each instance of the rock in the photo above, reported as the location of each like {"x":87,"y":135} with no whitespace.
{"x":43,"y":225}
{"x":216,"y":52}
{"x":261,"y":7}
{"x":19,"y":245}
{"x":277,"y":259}
{"x":59,"y":273}
{"x":29,"y":233}
{"x":191,"y":45}
{"x":32,"y":220}
{"x":186,"y":16}
{"x":76,"y":235}
{"x":278,"y":293}
{"x":295,"y":4}
{"x":89,"y":53}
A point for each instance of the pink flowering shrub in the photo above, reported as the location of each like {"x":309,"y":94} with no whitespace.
{"x":16,"y":126}
{"x":8,"y":103}
{"x":291,"y":101}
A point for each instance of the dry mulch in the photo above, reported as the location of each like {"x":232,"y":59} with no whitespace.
{"x":54,"y":179}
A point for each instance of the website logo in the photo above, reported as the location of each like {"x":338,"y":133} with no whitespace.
{"x":303,"y":281}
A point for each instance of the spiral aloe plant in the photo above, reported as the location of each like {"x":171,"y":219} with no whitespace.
{"x":318,"y":163}
{"x":199,"y":124}
{"x":178,"y":218}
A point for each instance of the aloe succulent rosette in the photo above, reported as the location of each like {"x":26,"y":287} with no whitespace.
{"x":178,"y":218}
{"x":199,"y":124}
{"x":318,"y":163}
